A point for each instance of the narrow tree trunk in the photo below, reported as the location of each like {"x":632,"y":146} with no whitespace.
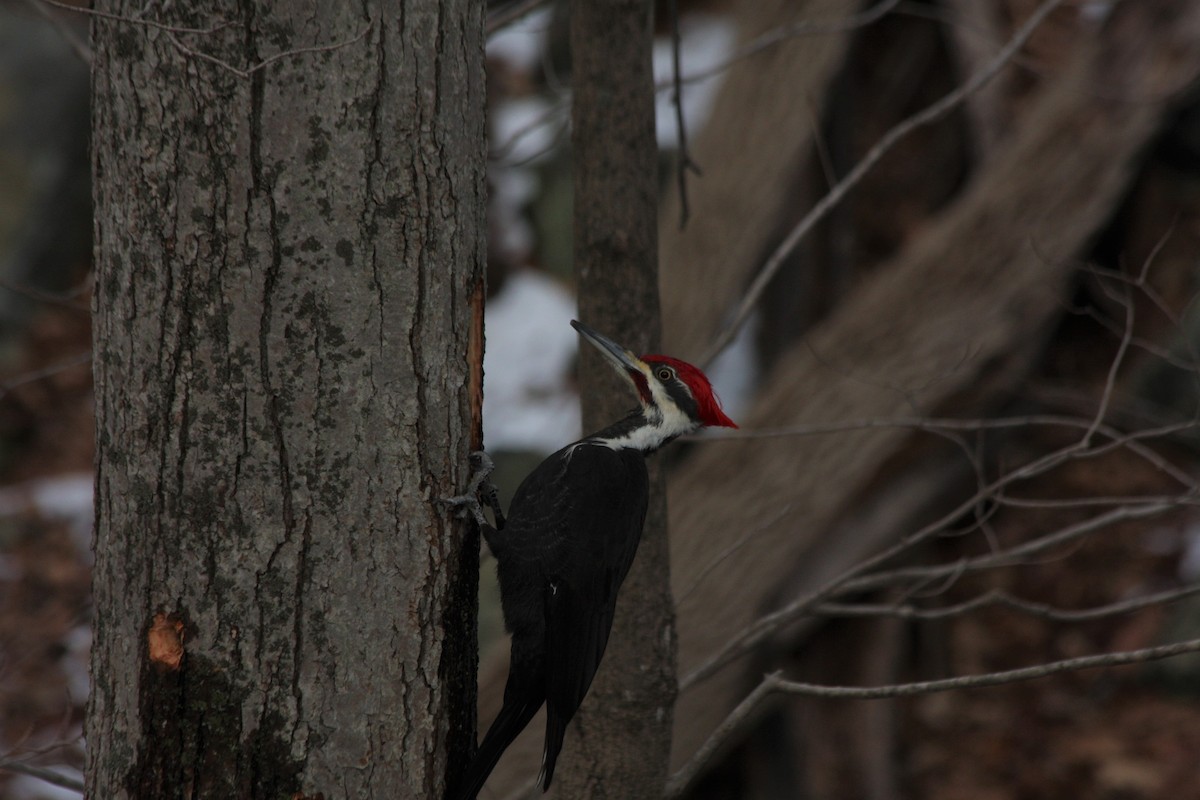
{"x":619,"y":744}
{"x":289,"y":254}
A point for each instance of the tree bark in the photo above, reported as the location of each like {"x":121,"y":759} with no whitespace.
{"x":620,"y":742}
{"x":289,"y":285}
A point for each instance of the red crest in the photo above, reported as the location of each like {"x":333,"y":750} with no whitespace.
{"x":708,"y":405}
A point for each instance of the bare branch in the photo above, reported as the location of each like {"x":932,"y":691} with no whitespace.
{"x":859,"y":578}
{"x":1117,"y":659}
{"x":41,"y":773}
{"x":684,"y":156}
{"x":749,"y":708}
{"x":78,"y":45}
{"x":63,"y":300}
{"x":932,"y":424}
{"x":149,"y":23}
{"x":1010,"y":556}
{"x":1132,"y":442}
{"x":922,"y":118}
{"x":783,"y":33}
{"x":174,"y":31}
{"x":742,"y":541}
{"x":45,"y":372}
{"x":246,"y":73}
{"x":511,"y":13}
{"x":997,"y":597}
{"x":1094,"y":501}
{"x":678,"y":80}
{"x":679,"y":783}
{"x":557,"y":112}
{"x":1110,"y":381}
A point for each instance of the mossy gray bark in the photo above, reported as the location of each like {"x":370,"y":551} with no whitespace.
{"x":289,"y":285}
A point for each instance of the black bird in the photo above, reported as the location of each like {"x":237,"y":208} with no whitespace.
{"x":572,"y":531}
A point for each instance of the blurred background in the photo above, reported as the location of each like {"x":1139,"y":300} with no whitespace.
{"x":780,"y":102}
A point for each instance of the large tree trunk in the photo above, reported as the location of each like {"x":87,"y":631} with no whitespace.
{"x":289,"y":255}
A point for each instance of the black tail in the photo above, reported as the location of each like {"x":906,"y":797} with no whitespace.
{"x":519,"y":708}
{"x":556,"y":727}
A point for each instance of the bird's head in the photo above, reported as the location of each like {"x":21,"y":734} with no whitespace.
{"x":676,"y":397}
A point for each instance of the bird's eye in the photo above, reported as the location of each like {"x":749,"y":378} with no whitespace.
{"x":665,"y":374}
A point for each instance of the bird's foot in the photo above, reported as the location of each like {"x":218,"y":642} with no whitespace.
{"x":467,"y":503}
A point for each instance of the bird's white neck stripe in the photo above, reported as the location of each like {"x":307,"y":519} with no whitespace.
{"x":644,"y":439}
{"x":662,"y":424}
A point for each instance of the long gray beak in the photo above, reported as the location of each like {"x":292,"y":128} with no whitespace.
{"x":618,"y":356}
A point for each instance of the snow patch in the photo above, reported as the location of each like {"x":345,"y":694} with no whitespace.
{"x":529,"y":402}
{"x":62,"y":497}
{"x":521,"y":44}
{"x":735,"y":371}
{"x":526,"y":129}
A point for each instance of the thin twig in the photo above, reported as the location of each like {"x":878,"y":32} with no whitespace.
{"x":922,"y":118}
{"x":682,"y":780}
{"x":1116,"y":659}
{"x":173,"y":31}
{"x":931,"y":424}
{"x":858,"y":578}
{"x":802,"y":28}
{"x":68,"y":33}
{"x":1011,"y":556}
{"x":998,"y":597}
{"x":45,"y":372}
{"x":684,"y":156}
{"x":1164,"y":354}
{"x":678,"y":784}
{"x":50,"y":298}
{"x":557,"y":111}
{"x":149,"y":23}
{"x":511,"y":13}
{"x":1092,"y":502}
{"x":47,"y":775}
{"x":741,"y":542}
{"x":1110,"y":380}
{"x":266,"y":62}
{"x":934,"y":425}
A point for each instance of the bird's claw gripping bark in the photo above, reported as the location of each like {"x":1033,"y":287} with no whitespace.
{"x":468,"y":503}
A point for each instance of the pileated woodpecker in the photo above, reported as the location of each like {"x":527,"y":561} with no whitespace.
{"x":572,"y":531}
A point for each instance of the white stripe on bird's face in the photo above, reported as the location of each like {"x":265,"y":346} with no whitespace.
{"x":665,"y":419}
{"x":674,"y":420}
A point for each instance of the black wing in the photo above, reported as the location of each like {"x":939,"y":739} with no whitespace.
{"x":600,"y":530}
{"x":572,"y":532}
